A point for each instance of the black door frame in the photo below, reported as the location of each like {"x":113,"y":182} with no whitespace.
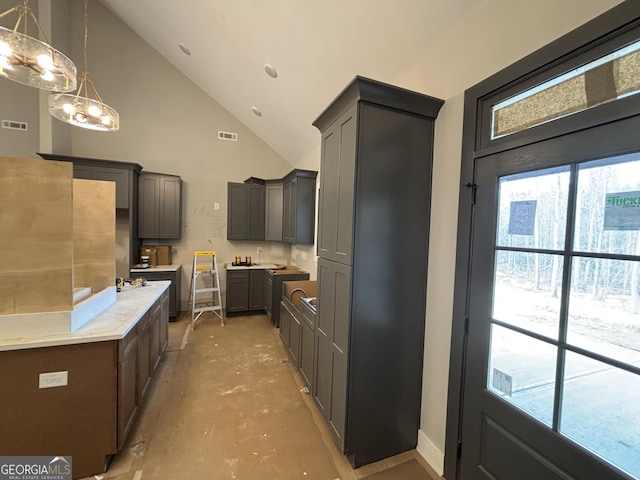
{"x":590,"y":40}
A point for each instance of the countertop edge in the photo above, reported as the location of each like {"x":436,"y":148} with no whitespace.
{"x":158,"y":268}
{"x":112,"y":324}
{"x":260,"y":266}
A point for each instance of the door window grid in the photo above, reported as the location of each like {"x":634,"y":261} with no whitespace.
{"x":567,"y":340}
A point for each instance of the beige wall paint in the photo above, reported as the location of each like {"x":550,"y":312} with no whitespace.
{"x":19,"y":103}
{"x":27,"y":104}
{"x":169,"y":125}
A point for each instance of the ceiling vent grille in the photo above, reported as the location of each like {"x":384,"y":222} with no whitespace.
{"x":14,"y":125}
{"x":230,"y":136}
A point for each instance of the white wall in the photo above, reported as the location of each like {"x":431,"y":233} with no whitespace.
{"x":496,"y":34}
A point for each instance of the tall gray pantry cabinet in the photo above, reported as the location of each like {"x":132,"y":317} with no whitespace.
{"x":373,"y":228}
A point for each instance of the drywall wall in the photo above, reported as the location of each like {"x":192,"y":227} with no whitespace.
{"x":27,"y":104}
{"x":18,"y":103}
{"x":493,"y":35}
{"x":168,"y":125}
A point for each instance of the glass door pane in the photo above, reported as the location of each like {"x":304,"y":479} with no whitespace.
{"x":522,"y":370}
{"x":565,"y":317}
{"x":601,"y":410}
{"x":601,"y":387}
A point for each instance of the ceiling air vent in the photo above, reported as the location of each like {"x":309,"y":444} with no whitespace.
{"x":230,"y":136}
{"x":14,"y":125}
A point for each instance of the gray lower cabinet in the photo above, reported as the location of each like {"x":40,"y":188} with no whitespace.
{"x":268,"y":293}
{"x":290,"y":326}
{"x":245,"y":291}
{"x":174,"y":276}
{"x":127,"y":384}
{"x":139,"y":353}
{"x":159,"y":206}
{"x":237,"y":296}
{"x":286,"y":317}
{"x":297,"y":331}
{"x":256,"y":289}
{"x":273,"y":290}
{"x":375,"y":196}
{"x":306,"y":361}
{"x":245,"y":211}
{"x":332,"y":343}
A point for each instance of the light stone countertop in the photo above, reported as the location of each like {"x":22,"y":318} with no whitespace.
{"x":261,"y":266}
{"x":157,"y":268}
{"x":112,"y":324}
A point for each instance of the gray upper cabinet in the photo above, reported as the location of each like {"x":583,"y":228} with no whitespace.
{"x":373,"y":226}
{"x":299,"y":207}
{"x":159,"y":206}
{"x":125,"y":175}
{"x":273,"y":211}
{"x":337,"y":186}
{"x":245,"y":211}
{"x":122,"y":179}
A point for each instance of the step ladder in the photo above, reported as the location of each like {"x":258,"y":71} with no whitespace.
{"x":204,"y":292}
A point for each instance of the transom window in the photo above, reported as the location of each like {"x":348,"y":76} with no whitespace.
{"x":614,"y":76}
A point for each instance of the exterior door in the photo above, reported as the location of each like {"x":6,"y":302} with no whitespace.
{"x":552,"y":376}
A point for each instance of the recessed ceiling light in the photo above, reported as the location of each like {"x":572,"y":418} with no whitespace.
{"x":256,"y":111}
{"x":270,"y":69}
{"x":184,"y":49}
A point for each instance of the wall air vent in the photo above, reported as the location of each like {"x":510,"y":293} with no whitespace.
{"x":230,"y":136}
{"x":15,"y":125}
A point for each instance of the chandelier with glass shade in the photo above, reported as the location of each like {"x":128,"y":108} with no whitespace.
{"x":29,"y":61}
{"x":86,"y":109}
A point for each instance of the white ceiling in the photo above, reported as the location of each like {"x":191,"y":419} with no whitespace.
{"x":316,"y":46}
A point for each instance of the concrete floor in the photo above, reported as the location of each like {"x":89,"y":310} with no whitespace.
{"x":227,"y":404}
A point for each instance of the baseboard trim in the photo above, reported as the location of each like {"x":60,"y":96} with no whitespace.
{"x":431,"y":453}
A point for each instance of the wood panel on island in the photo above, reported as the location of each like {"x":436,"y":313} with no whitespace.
{"x":76,"y":356}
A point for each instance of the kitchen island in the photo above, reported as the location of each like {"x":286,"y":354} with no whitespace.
{"x":77,"y":394}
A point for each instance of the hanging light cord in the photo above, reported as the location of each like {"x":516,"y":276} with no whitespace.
{"x":85,"y":81}
{"x":23,"y":10}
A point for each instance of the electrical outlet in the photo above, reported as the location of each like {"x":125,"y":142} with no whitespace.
{"x":259,"y":249}
{"x":216,"y":206}
{"x":53,"y":379}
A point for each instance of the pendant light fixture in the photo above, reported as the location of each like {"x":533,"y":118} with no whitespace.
{"x":32,"y":62}
{"x":86,"y":109}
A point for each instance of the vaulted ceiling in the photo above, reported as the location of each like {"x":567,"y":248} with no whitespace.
{"x":316,"y":47}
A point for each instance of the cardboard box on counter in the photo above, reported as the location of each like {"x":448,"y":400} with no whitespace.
{"x":163,"y":253}
{"x":158,"y":254}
